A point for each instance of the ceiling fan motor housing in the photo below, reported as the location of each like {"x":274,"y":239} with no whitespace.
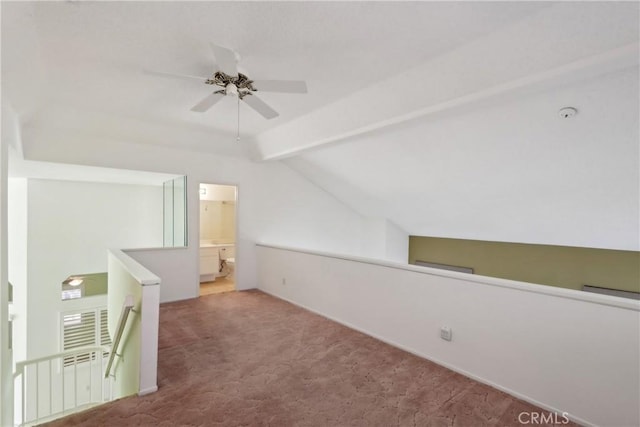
{"x":240,"y":84}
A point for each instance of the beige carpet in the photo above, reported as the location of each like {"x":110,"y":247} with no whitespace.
{"x":248,"y":359}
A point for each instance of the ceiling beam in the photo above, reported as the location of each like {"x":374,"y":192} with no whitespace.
{"x":616,"y":59}
{"x":556,"y":46}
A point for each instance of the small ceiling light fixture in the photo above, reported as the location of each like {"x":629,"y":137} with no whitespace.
{"x":203,"y":191}
{"x":567,"y":112}
{"x":73,"y":281}
{"x":231,"y":89}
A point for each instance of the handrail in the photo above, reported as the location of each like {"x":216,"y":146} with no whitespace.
{"x":124,"y":315}
{"x":80,"y":350}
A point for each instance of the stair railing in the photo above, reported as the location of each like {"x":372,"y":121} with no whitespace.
{"x":71,"y":369}
{"x":127,"y":307}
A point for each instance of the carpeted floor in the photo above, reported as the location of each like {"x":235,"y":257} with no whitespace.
{"x":249,"y":359}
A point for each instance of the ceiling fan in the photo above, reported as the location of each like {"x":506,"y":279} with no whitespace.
{"x":229,"y":82}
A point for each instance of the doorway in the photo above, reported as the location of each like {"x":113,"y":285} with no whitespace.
{"x":218,"y":215}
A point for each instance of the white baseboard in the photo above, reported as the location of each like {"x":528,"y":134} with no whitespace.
{"x":148,"y":390}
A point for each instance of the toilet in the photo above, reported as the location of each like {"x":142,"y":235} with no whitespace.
{"x":231,"y":266}
{"x":227,"y":259}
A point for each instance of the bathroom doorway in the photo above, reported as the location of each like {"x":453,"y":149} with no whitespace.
{"x":217,"y":238}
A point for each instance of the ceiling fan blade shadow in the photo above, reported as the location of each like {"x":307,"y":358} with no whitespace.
{"x":284,"y":86}
{"x":208,"y":102}
{"x":176,"y":76}
{"x":260,"y":106}
{"x":226,"y":59}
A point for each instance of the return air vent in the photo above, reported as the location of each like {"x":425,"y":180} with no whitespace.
{"x":612,"y":292}
{"x":457,"y":268}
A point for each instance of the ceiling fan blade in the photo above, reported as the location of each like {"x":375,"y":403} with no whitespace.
{"x":285,"y":86}
{"x":260,"y":106}
{"x":226,"y":59}
{"x":176,"y":76}
{"x":208,"y":102}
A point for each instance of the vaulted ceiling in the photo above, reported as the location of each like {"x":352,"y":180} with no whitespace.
{"x":441,"y":116}
{"x":79,"y":66}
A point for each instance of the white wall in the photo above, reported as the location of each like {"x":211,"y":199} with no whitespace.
{"x":175,"y":268}
{"x":6,"y":355}
{"x":17,"y":254}
{"x":562,"y":349}
{"x":373,"y":237}
{"x":70,"y":227}
{"x":384,"y":240}
{"x":511,"y":170}
{"x":274,"y":204}
{"x":397,"y":243}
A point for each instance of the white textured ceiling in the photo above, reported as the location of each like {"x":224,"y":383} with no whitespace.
{"x":90,"y":56}
{"x":440,"y":116}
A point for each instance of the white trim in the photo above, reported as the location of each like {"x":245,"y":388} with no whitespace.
{"x":607,"y":300}
{"x":133,"y":267}
{"x":148,"y":390}
{"x":159,"y":248}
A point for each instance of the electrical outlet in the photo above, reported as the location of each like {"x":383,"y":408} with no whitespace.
{"x":284,"y":281}
{"x":445,"y":333}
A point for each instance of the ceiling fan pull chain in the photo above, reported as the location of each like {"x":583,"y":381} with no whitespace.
{"x":238,"y":134}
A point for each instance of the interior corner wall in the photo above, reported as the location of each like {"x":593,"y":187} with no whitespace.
{"x":382,"y":239}
{"x":275,"y":205}
{"x":397,"y":243}
{"x":70,"y":227}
